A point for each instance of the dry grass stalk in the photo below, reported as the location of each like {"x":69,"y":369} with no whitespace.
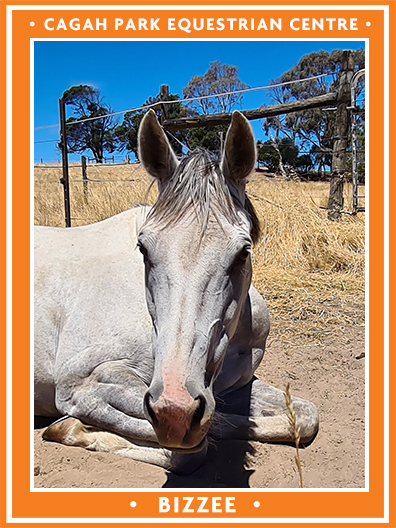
{"x":294,"y":429}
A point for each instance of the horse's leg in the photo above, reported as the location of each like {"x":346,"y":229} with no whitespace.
{"x":258,"y":411}
{"x":105,"y":413}
{"x":72,"y":432}
{"x":110,"y":398}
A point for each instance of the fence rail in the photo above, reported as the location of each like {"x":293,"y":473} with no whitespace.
{"x":258,"y":113}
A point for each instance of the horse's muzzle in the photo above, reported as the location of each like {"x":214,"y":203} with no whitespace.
{"x":180,"y":424}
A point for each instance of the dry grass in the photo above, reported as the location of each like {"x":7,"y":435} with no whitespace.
{"x":310,"y":270}
{"x":111,"y":190}
{"x":294,"y":430}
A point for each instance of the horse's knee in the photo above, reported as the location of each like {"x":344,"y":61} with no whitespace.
{"x":68,"y":431}
{"x":307,"y":419}
{"x":72,"y":432}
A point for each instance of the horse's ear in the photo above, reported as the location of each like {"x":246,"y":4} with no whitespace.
{"x":155,"y":152}
{"x":239,"y":154}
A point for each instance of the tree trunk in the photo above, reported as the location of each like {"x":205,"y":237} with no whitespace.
{"x":280,"y":166}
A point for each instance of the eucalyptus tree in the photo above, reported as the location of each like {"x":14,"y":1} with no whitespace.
{"x":83,"y":131}
{"x":312,"y":128}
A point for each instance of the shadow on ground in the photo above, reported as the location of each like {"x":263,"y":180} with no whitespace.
{"x":226,"y":464}
{"x":225,"y":467}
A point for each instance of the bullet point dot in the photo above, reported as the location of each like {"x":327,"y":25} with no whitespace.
{"x":32,"y":23}
{"x":133,"y":504}
{"x":256,"y":504}
{"x":368,"y":23}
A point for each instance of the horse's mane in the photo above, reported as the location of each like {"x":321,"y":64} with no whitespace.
{"x":199,"y":183}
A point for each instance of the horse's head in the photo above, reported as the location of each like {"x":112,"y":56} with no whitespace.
{"x":196,"y":244}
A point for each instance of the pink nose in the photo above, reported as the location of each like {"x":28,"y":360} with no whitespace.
{"x":175,"y":420}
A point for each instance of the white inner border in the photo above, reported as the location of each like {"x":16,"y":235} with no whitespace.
{"x":9,"y":275}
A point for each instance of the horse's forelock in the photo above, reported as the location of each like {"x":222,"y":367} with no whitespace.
{"x":198,"y":183}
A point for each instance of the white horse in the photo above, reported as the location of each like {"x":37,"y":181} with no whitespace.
{"x":147,"y":329}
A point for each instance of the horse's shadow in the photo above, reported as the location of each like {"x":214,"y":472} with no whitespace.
{"x":224,"y":467}
{"x":227,"y":461}
{"x":43,"y":421}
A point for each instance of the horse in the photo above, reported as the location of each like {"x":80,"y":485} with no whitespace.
{"x":147,"y":328}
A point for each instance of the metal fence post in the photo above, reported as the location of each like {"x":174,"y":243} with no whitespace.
{"x":355,"y":176}
{"x":65,"y":166}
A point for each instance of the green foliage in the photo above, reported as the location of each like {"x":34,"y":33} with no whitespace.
{"x":208,"y":138}
{"x":95,"y":135}
{"x":126,"y":134}
{"x":289,"y":151}
{"x":304,"y":162}
{"x":268,"y":156}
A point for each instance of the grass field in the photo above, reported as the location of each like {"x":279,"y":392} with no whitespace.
{"x":310,"y":270}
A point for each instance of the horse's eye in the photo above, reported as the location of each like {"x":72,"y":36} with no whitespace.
{"x":240,"y":258}
{"x":244,"y":253}
{"x":142,"y":249}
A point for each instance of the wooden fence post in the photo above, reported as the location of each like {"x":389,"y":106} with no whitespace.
{"x":85,"y":178}
{"x":164,"y":96}
{"x":336,"y":199}
{"x":65,"y":165}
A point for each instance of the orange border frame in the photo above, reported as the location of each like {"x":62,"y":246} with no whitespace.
{"x":347,"y":504}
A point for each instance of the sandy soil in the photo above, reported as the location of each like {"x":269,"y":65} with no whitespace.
{"x":330,"y":374}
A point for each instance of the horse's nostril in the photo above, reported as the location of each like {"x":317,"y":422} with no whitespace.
{"x":148,"y":408}
{"x":199,"y":411}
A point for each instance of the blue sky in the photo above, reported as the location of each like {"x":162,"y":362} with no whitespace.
{"x":128,"y":72}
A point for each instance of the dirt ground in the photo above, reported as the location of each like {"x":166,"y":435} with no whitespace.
{"x":330,"y":373}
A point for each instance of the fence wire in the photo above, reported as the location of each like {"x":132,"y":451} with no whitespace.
{"x":188,"y":99}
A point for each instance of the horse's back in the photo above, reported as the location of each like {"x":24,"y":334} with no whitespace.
{"x":85,"y":279}
{"x":112,"y":235}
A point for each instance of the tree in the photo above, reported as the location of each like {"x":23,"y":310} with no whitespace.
{"x":208,"y":138}
{"x":289,"y":151}
{"x":219,"y":79}
{"x":126,"y":134}
{"x":267,"y":155}
{"x":304,"y":162}
{"x":314,"y":128}
{"x":270,"y":155}
{"x":96,"y":135}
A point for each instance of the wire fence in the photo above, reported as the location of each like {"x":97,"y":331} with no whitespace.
{"x":190,"y":99}
{"x":318,"y":151}
{"x":186,"y":100}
